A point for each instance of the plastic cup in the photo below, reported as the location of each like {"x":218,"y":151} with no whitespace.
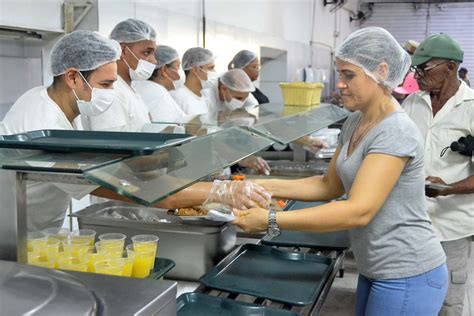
{"x":91,"y":256}
{"x":47,"y":250}
{"x":109,"y":248}
{"x":33,"y":257}
{"x":76,"y":247}
{"x":142,"y":263}
{"x":128,"y":265}
{"x":35,"y":238}
{"x":57,"y":232}
{"x":127,"y":260}
{"x":72,"y":264}
{"x":111,"y":239}
{"x":111,"y":267}
{"x":146,"y":243}
{"x":87,"y":234}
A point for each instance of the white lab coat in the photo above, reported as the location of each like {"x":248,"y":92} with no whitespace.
{"x":47,"y":202}
{"x":128,"y":112}
{"x":160,"y":104}
{"x":190,"y":103}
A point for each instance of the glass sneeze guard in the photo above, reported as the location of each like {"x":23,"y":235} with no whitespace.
{"x":149,"y":179}
{"x":289,"y":129}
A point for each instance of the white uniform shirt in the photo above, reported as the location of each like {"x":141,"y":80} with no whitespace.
{"x":127,"y":113}
{"x":452,"y":215}
{"x":160,"y":104}
{"x":212,"y":99}
{"x":190,"y":103}
{"x":47,"y":202}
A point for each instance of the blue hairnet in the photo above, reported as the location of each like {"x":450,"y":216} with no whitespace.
{"x":165,"y":55}
{"x":83,"y":50}
{"x":197,"y":56}
{"x":367,"y":48}
{"x":242,"y":59}
{"x":133,"y":30}
{"x":237,"y":80}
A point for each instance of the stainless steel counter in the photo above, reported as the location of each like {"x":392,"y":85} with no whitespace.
{"x":28,"y":290}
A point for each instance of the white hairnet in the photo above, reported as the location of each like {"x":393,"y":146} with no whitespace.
{"x":133,"y":30}
{"x":165,"y":55}
{"x":83,"y":50}
{"x":369,"y":47}
{"x":237,"y":80}
{"x":242,"y":59}
{"x":197,"y":56}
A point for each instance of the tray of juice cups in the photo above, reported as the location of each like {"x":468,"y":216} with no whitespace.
{"x":76,"y":251}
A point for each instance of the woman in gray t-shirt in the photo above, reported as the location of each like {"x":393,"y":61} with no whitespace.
{"x":378,"y":164}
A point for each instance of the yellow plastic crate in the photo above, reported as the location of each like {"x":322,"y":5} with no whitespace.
{"x":301,"y":93}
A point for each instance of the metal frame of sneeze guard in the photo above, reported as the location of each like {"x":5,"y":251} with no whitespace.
{"x":288,"y":129}
{"x":149,"y":179}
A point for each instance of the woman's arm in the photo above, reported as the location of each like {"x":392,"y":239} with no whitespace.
{"x":375,"y":180}
{"x":191,"y":196}
{"x":316,"y":188}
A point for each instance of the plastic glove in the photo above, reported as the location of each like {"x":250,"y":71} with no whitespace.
{"x":312,"y":144}
{"x":238,"y":194}
{"x":256,"y":163}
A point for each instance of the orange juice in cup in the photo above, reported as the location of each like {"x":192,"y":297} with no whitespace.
{"x":142,"y":262}
{"x":76,"y":247}
{"x":35,"y":238}
{"x":72,"y":264}
{"x":111,"y":267}
{"x":146,"y":243}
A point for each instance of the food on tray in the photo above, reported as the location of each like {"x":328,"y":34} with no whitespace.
{"x":191,"y":211}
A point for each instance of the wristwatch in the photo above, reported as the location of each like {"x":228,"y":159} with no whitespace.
{"x":273,"y":229}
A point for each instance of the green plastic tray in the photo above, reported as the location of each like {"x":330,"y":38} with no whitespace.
{"x":197,"y":304}
{"x":162,"y":266}
{"x":262,"y":271}
{"x":92,"y":141}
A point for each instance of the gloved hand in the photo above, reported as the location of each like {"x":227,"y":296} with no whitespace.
{"x":312,"y":144}
{"x":256,"y":163}
{"x":238,"y":194}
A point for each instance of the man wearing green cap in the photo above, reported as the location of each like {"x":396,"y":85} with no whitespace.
{"x":444,"y":111}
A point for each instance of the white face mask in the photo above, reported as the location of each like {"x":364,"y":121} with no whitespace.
{"x":211,"y":79}
{"x":101,"y":100}
{"x":179,"y":82}
{"x":143,"y":71}
{"x":234,"y":104}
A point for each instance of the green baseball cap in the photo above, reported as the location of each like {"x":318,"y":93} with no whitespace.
{"x":437,"y":46}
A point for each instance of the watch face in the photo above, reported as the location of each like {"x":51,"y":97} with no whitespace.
{"x":272,"y":231}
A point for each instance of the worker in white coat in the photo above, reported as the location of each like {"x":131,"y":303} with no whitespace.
{"x":84,"y":68}
{"x":155,"y":91}
{"x":198,"y":66}
{"x":128,"y":112}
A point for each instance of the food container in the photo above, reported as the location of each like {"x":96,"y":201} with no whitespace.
{"x":196,"y":246}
